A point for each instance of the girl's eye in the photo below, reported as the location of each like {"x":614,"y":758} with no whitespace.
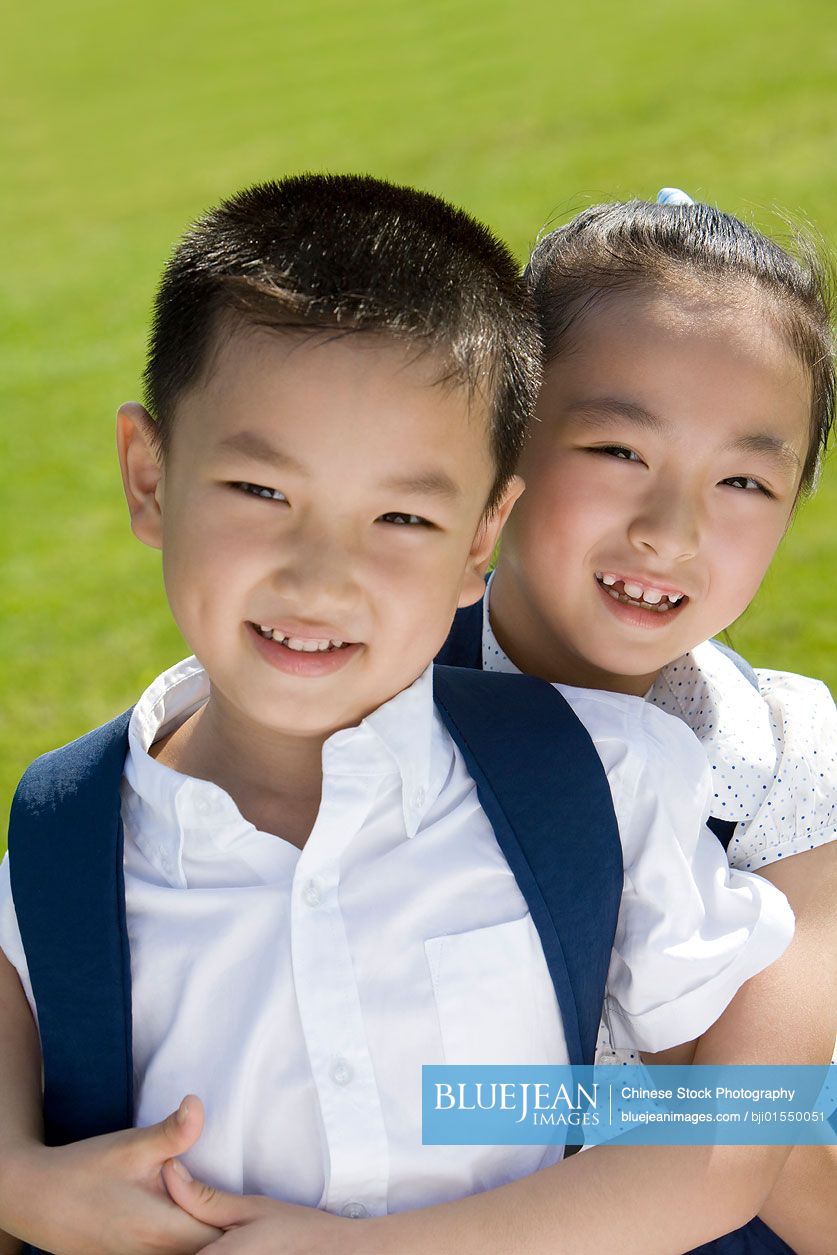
{"x":746,"y":482}
{"x":404,"y":520}
{"x":258,"y":490}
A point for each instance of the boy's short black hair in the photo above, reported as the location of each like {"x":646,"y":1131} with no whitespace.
{"x":351,"y":253}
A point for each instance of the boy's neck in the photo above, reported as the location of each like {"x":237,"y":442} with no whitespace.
{"x":531,"y":645}
{"x":275,"y":781}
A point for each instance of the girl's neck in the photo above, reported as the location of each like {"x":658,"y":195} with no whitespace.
{"x":527,"y":639}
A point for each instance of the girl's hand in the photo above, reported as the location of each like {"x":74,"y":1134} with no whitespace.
{"x":254,"y":1225}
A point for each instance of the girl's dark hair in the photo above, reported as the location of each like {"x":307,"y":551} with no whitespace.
{"x":345,"y":254}
{"x":635,"y":244}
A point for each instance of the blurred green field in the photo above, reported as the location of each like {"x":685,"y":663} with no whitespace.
{"x":119,"y":124}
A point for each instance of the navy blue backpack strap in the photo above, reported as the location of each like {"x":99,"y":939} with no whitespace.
{"x":65,"y":863}
{"x":463,"y":647}
{"x":753,"y":1238}
{"x":724,"y":829}
{"x":544,"y":790}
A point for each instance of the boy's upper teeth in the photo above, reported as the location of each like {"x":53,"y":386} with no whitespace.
{"x":638,"y":592}
{"x":301,"y":643}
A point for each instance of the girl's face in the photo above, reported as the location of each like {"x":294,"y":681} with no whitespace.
{"x":660,"y":478}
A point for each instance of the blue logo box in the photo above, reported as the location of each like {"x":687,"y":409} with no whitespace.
{"x":632,"y":1105}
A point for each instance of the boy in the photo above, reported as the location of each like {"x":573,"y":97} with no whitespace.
{"x":340,"y":377}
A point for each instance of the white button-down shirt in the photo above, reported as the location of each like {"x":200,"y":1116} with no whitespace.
{"x":299,"y":992}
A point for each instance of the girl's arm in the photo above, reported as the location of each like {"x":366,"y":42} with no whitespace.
{"x":645,"y":1200}
{"x":638,"y":1200}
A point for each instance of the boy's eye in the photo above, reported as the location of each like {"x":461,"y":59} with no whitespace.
{"x":258,"y":490}
{"x":402,"y":519}
{"x":617,"y":451}
{"x":746,"y":482}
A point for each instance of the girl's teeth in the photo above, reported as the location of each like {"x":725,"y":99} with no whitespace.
{"x":304,"y":646}
{"x":636,"y":592}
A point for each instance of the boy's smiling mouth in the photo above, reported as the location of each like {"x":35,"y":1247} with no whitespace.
{"x":640,"y":595}
{"x":308,"y":656}
{"x":301,"y":644}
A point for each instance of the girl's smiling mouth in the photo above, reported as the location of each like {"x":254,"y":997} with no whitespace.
{"x":648,"y":603}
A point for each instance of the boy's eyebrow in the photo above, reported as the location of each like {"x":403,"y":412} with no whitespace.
{"x":430,"y":482}
{"x":613,"y":407}
{"x":251,"y":445}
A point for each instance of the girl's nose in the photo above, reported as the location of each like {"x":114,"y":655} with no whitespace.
{"x":667,"y":526}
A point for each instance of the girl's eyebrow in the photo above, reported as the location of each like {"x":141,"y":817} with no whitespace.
{"x":595,"y":411}
{"x":777,"y":449}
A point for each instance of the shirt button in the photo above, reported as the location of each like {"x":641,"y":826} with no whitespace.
{"x":354,"y":1211}
{"x":203,"y":806}
{"x":311,"y":895}
{"x":417,"y":800}
{"x":341,"y":1072}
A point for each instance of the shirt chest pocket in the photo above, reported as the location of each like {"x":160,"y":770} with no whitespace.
{"x":494,"y":996}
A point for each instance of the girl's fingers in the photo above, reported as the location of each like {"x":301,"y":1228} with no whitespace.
{"x":205,"y":1203}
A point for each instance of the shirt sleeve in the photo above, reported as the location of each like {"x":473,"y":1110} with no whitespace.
{"x":799,"y":808}
{"x":691,"y":930}
{"x":10,"y":940}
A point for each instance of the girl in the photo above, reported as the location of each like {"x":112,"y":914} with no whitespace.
{"x":687,"y":401}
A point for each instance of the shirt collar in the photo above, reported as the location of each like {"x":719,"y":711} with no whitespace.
{"x":160,"y":804}
{"x":404,"y":736}
{"x":412,"y":733}
{"x":494,"y":658}
{"x":729,"y":717}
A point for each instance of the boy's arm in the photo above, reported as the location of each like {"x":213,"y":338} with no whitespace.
{"x":20,"y":1085}
{"x":104,"y":1194}
{"x":639,"y":1200}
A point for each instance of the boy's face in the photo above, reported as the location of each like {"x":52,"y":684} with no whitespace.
{"x":659,"y":481}
{"x":327,"y":491}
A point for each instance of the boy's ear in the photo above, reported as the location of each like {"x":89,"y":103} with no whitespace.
{"x":142,"y":472}
{"x":484,"y":542}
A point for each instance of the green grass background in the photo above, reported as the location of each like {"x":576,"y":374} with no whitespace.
{"x":120,"y":123}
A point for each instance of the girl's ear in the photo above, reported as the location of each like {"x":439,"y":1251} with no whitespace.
{"x":484,"y":543}
{"x":142,"y":472}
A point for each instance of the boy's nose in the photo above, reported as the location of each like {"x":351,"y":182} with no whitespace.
{"x":319,"y":573}
{"x":668,"y":526}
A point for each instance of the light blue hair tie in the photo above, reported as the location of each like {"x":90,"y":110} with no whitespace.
{"x":673,"y":196}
